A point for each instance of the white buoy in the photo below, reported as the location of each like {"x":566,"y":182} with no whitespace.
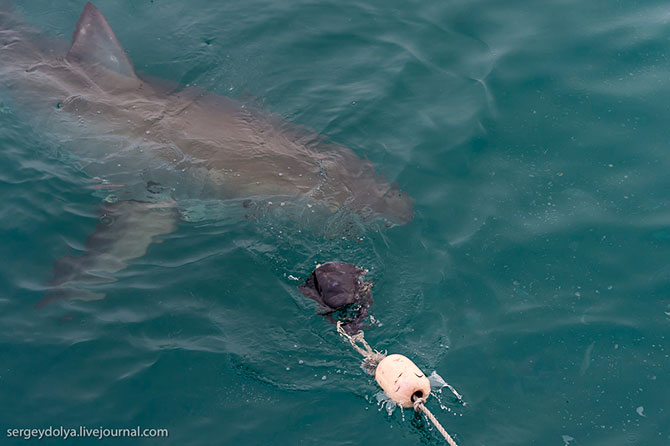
{"x":404,"y":383}
{"x":402,"y":380}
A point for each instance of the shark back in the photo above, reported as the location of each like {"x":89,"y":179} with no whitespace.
{"x":194,"y":143}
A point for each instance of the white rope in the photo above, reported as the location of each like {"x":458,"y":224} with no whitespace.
{"x":419,"y":406}
{"x":371,"y":358}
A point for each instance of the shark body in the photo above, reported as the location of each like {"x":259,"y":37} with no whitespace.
{"x":140,"y":134}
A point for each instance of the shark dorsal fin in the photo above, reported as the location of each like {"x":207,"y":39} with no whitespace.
{"x":94,"y":44}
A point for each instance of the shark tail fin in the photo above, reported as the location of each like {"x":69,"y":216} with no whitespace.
{"x":96,"y":48}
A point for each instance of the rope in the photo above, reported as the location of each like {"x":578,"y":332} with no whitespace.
{"x":420,"y":407}
{"x":371,"y":358}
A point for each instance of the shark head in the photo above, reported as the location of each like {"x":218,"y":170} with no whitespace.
{"x":373,"y":197}
{"x":397,"y":204}
{"x":355,"y":182}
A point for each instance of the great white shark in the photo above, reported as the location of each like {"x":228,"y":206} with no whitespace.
{"x":160,"y":144}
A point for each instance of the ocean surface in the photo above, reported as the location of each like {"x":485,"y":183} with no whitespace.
{"x":533,"y":138}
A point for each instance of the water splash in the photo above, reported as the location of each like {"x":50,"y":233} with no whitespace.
{"x":437,"y":383}
{"x":384,"y":402}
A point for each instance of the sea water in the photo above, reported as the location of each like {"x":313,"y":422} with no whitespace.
{"x":533,"y":138}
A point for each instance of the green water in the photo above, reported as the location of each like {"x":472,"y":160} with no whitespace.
{"x":533,"y":139}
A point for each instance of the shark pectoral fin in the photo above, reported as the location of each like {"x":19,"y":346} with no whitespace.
{"x":125,"y":231}
{"x":95,"y":46}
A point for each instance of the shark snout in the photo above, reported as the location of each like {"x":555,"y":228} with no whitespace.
{"x":399,"y":206}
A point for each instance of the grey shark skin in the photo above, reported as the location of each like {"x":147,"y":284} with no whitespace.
{"x":197,"y":145}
